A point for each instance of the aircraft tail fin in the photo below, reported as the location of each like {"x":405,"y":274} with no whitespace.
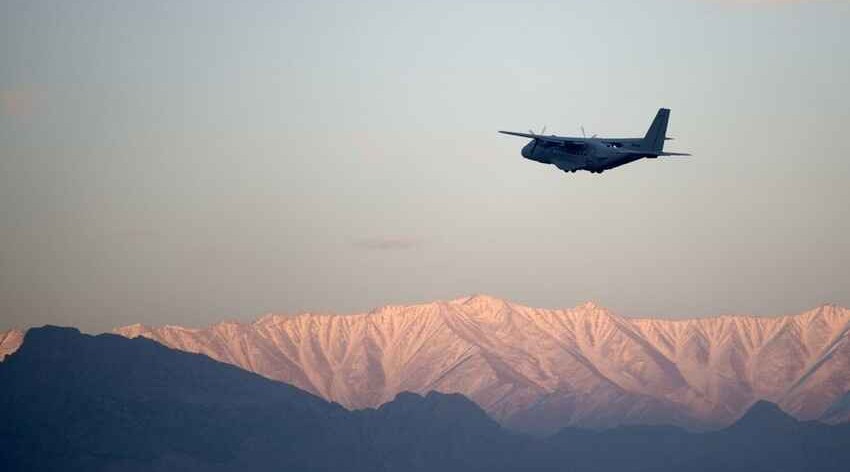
{"x":656,"y":135}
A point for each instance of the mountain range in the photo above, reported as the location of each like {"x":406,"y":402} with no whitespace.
{"x":75,"y":402}
{"x":539,"y":370}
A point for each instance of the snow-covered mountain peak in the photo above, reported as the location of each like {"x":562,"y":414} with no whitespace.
{"x":482,"y":302}
{"x":830,"y":310}
{"x":133,"y":330}
{"x":270,"y":319}
{"x":590,"y":306}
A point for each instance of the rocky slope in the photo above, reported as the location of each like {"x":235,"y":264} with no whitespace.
{"x":540,"y":370}
{"x":9,"y":342}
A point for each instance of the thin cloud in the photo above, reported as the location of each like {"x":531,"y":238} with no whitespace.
{"x":18,"y":102}
{"x":387,"y":243}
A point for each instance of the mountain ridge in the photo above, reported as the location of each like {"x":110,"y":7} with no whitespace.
{"x":537,"y":369}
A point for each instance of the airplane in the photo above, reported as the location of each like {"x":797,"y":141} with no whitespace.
{"x":595,"y":154}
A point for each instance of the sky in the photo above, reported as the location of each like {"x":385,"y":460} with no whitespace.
{"x":187,"y":162}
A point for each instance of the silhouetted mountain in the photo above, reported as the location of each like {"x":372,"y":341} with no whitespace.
{"x":764,"y":439}
{"x":76,"y":402}
{"x":764,"y":416}
{"x":438,"y":432}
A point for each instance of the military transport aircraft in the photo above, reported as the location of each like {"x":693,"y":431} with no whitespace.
{"x":597,"y":154}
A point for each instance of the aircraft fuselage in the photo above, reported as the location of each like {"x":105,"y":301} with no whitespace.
{"x":593,"y":156}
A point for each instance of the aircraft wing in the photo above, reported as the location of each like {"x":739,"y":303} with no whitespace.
{"x":550,"y":138}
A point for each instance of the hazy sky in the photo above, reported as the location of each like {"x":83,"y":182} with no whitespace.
{"x":186,"y":162}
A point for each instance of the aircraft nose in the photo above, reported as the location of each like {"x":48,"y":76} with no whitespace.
{"x":526,"y":150}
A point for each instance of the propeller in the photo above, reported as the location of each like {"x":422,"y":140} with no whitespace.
{"x":584,"y":135}
{"x":542,"y":130}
